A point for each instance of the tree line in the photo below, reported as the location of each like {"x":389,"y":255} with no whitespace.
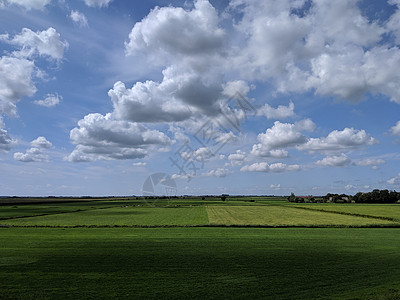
{"x":376,"y":196}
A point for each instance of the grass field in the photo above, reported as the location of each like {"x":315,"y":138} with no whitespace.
{"x":199,"y":263}
{"x":43,"y":255}
{"x":284,"y":216}
{"x":390,"y":211}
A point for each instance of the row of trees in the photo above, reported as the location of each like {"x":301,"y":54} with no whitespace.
{"x":376,"y":196}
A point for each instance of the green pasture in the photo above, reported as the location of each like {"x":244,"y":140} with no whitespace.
{"x":391,"y":211}
{"x":197,"y":212}
{"x":120,"y":216}
{"x":94,"y":250}
{"x":199,"y":263}
{"x":284,"y":216}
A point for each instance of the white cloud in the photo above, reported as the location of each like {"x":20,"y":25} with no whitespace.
{"x":394,"y":180}
{"x":220,"y":172}
{"x":18,"y":70}
{"x":41,"y":142}
{"x":50,"y":100}
{"x":348,"y":138}
{"x":139,"y":164}
{"x":237,"y":158}
{"x":396,"y":129}
{"x":265,"y":167}
{"x":36,"y":152}
{"x":78,"y":18}
{"x":102,"y":137}
{"x":6,"y":142}
{"x":231,"y":88}
{"x":370,"y":162}
{"x":335,"y":161}
{"x":260,"y":151}
{"x":201,"y":154}
{"x":98,"y":3}
{"x":147,"y":102}
{"x":281,"y":112}
{"x":27,"y":4}
{"x":15,"y":82}
{"x":31,"y":155}
{"x":173,"y":30}
{"x":281,"y":135}
{"x":331,"y":48}
{"x":45,"y":43}
{"x":275,"y":186}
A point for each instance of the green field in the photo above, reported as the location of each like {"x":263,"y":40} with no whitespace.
{"x":284,"y":216}
{"x":93,"y":250}
{"x":389,"y":211}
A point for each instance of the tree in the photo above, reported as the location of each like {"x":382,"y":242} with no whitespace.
{"x":292,"y":198}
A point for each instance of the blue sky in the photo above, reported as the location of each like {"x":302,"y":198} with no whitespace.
{"x":238,"y":97}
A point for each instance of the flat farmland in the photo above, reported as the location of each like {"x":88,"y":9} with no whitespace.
{"x":284,"y":216}
{"x":199,"y":249}
{"x":390,"y":211}
{"x":119,"y":216}
{"x":199,"y":263}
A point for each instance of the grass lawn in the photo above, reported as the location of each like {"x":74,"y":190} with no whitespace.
{"x":199,"y":263}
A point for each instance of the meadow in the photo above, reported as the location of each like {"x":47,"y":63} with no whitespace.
{"x":199,"y":249}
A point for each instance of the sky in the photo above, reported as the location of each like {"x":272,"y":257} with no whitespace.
{"x":243,"y":97}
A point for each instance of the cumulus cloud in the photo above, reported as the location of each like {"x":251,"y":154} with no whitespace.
{"x":147,"y":102}
{"x":36,"y":152}
{"x":6,"y":142}
{"x":335,"y":161}
{"x":139,"y":164}
{"x":370,"y":162}
{"x":279,"y":113}
{"x":275,"y":186}
{"x":102,"y":137}
{"x":396,"y":129}
{"x":27,"y":4}
{"x":331,"y":47}
{"x":15,"y":82}
{"x":173,"y":30}
{"x":201,"y":154}
{"x":237,"y":158}
{"x":394,"y":180}
{"x":281,"y":135}
{"x":98,"y":3}
{"x":42,"y":143}
{"x":274,"y":168}
{"x":220,"y":172}
{"x":231,"y":88}
{"x":78,"y":18}
{"x":31,"y":155}
{"x":348,"y":138}
{"x":189,"y":43}
{"x":50,"y":100}
{"x":18,"y":70}
{"x":45,"y":43}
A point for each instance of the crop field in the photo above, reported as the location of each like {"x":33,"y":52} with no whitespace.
{"x":389,"y":211}
{"x":199,"y":249}
{"x":284,"y":216}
